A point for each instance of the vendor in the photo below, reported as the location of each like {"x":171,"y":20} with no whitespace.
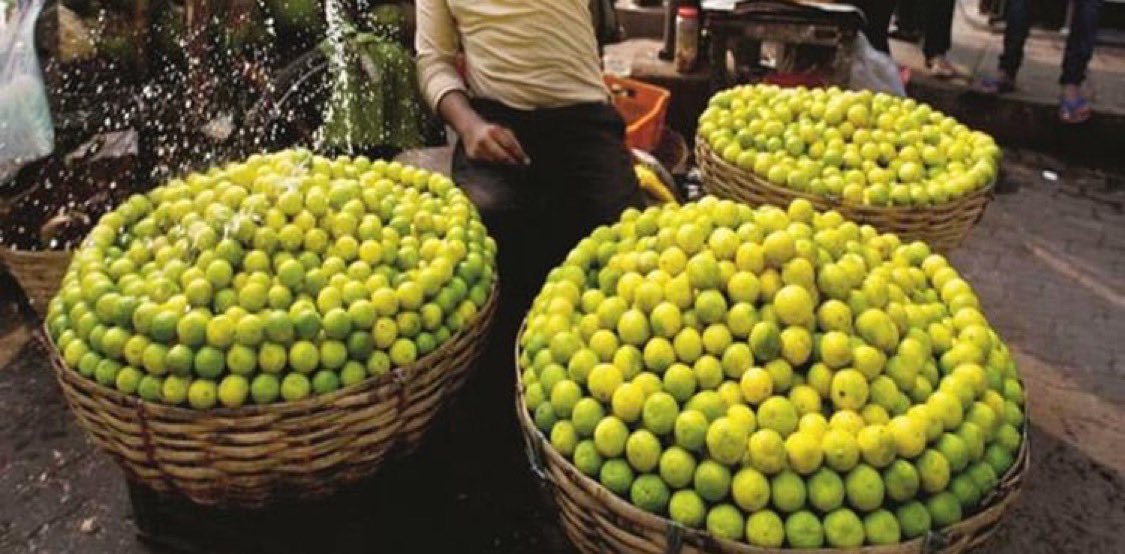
{"x":541,"y":150}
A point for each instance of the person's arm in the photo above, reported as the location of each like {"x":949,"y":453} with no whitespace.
{"x":437,"y":45}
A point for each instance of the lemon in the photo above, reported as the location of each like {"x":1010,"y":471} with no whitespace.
{"x":966,"y":491}
{"x":603,"y":381}
{"x":642,"y":450}
{"x":796,"y":345}
{"x":826,"y":490}
{"x":233,"y":391}
{"x":690,"y":429}
{"x":588,"y":460}
{"x":202,"y":394}
{"x":981,"y":415}
{"x":835,"y":349}
{"x":788,"y":492}
{"x":841,"y":449}
{"x":983,"y":475}
{"x":265,"y":388}
{"x":881,"y":527}
{"x":909,"y":436}
{"x":914,"y":519}
{"x":627,"y":402}
{"x":712,"y":480}
{"x":955,"y":451}
{"x":814,"y":424}
{"x":766,"y":450}
{"x":849,"y":390}
{"x":756,"y":385}
{"x":877,"y":445}
{"x":803,"y":530}
{"x":944,"y":509}
{"x":878,"y":330}
{"x":677,"y":467}
{"x":563,"y":396}
{"x":687,"y":508}
{"x":586,"y":413}
{"x":804,"y":452}
{"x":868,"y":360}
{"x":901,"y":480}
{"x":659,"y":413}
{"x":726,"y":440}
{"x":778,"y":414}
{"x":633,"y":327}
{"x":750,"y":490}
{"x":765,"y":341}
{"x":765,"y":529}
{"x":933,"y":471}
{"x":610,"y":436}
{"x":725,"y":522}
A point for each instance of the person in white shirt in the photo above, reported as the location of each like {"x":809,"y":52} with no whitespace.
{"x":541,"y":148}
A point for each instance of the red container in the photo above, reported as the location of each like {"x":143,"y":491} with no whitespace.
{"x":644,"y":108}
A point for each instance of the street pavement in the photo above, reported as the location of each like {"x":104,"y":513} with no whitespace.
{"x":1047,"y":261}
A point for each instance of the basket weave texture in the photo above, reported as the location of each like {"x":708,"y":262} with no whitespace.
{"x":598,"y":521}
{"x":254,"y":455}
{"x":39,"y":273}
{"x":943,"y":226}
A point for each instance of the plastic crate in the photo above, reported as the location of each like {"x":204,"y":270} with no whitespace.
{"x":643,"y":107}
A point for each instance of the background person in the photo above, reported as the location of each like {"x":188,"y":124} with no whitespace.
{"x":937,"y":23}
{"x":878,"y":15}
{"x":1074,"y":107}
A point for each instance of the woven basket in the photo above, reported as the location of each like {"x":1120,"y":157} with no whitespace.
{"x":251,"y":456}
{"x":39,"y":273}
{"x":943,"y":226}
{"x":598,"y":521}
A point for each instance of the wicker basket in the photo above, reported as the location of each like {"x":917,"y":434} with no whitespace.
{"x":943,"y":227}
{"x":39,"y":273}
{"x":250,"y":456}
{"x":598,"y":521}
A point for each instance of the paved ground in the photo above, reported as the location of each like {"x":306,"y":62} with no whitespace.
{"x":1047,"y":261}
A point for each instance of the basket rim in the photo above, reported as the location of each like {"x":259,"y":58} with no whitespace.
{"x":703,"y":149}
{"x":396,"y":377}
{"x":542,"y":447}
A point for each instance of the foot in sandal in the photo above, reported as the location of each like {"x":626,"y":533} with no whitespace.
{"x":1074,"y":107}
{"x":1002,"y":83}
{"x":940,"y":67}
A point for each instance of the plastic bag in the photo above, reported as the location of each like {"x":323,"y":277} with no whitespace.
{"x":26,"y":131}
{"x":874,"y":70}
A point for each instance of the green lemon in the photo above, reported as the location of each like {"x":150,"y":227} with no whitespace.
{"x":615,"y":474}
{"x":712,"y":481}
{"x":725,"y":522}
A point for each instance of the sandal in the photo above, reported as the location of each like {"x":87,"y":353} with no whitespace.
{"x":995,"y":85}
{"x":940,"y":68}
{"x":1075,"y":110}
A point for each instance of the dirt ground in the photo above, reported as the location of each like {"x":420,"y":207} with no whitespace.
{"x":1047,"y":261}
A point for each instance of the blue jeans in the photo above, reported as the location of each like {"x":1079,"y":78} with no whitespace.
{"x":1079,"y":45}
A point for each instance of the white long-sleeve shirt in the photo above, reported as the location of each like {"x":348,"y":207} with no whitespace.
{"x":525,"y":54}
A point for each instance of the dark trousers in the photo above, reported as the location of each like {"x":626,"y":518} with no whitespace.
{"x":580,"y":176}
{"x":1079,"y":44}
{"x":909,"y":15}
{"x":938,"y":23}
{"x":878,"y":15}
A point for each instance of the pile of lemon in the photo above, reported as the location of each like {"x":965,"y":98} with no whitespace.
{"x":859,"y":147}
{"x":272,"y":279}
{"x":780,"y":377}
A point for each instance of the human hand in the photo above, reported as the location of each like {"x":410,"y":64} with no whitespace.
{"x":489,"y":142}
